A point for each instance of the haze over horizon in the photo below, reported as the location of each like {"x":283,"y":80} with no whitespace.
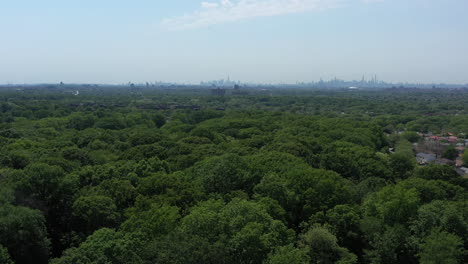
{"x":262,"y":41}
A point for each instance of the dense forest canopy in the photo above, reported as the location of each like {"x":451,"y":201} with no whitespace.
{"x":139,"y":175}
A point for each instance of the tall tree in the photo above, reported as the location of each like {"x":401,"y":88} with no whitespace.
{"x":441,"y":247}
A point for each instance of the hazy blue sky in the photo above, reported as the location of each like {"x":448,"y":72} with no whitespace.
{"x":115,"y":41}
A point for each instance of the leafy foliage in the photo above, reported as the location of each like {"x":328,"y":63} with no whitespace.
{"x":145,"y":175}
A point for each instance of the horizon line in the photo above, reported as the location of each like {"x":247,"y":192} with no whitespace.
{"x":208,"y":82}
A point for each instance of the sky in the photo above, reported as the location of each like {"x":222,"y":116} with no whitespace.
{"x":267,"y":41}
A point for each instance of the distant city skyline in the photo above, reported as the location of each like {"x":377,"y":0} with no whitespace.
{"x":254,"y":41}
{"x":372,"y":82}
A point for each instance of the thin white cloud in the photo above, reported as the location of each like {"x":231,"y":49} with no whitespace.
{"x":209,"y":5}
{"x":224,"y":11}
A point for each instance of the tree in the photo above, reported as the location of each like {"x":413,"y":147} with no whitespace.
{"x":344,"y":221}
{"x":146,"y":167}
{"x":389,"y":246}
{"x":354,"y":162}
{"x":401,"y":165}
{"x":430,"y":190}
{"x":24,"y":234}
{"x":41,"y":181}
{"x":173,"y":189}
{"x":304,"y":192}
{"x":242,"y":227}
{"x":411,"y":136}
{"x":272,"y":162}
{"x":369,"y":186}
{"x":441,"y":172}
{"x":4,"y":256}
{"x":81,"y":121}
{"x":277,"y":188}
{"x":223,"y":174}
{"x":323,"y":248}
{"x":77,"y":154}
{"x":441,"y":247}
{"x":105,"y":246}
{"x":465,"y":158}
{"x":450,"y":153}
{"x":157,"y":221}
{"x":288,"y":254}
{"x":142,"y":152}
{"x":158,"y":119}
{"x":121,"y":191}
{"x":145,"y":137}
{"x":393,"y":204}
{"x":445,"y":216}
{"x":114,"y":122}
{"x":15,"y":159}
{"x":180,"y":248}
{"x":95,"y":211}
{"x":321,"y":190}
